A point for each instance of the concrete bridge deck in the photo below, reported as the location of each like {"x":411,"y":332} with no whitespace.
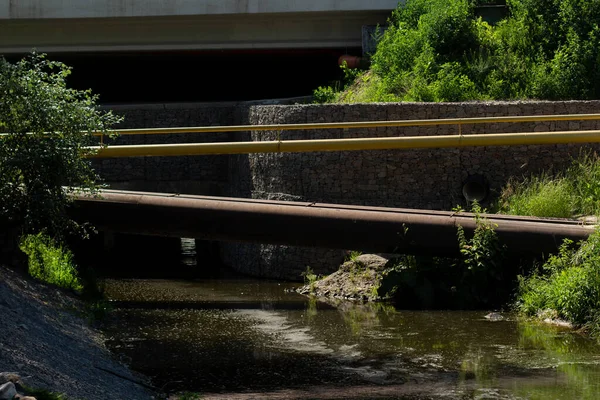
{"x":167,"y":25}
{"x":335,"y":226}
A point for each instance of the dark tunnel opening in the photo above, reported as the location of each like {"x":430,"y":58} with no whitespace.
{"x":207,"y":76}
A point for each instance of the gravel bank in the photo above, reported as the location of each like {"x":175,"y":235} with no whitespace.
{"x":44,"y":339}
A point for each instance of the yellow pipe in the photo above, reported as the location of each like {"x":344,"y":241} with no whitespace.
{"x":386,"y":143}
{"x":354,"y":125}
{"x":351,"y":125}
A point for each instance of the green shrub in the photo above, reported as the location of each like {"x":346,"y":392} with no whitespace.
{"x":324,"y":94}
{"x":330,"y":94}
{"x":568,"y":285}
{"x":50,"y":262}
{"x":436,"y":50}
{"x":479,"y":278}
{"x":48,"y":130}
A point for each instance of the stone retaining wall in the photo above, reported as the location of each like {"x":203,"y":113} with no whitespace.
{"x":193,"y":175}
{"x":431,"y":179}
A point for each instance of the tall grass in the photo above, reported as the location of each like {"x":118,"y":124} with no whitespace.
{"x":50,"y":262}
{"x":585,"y":177}
{"x":573,"y":192}
{"x":567,"y":286}
{"x":540,"y":196}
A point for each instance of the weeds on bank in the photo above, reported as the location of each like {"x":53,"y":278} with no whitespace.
{"x":50,"y":262}
{"x":567,"y":286}
{"x":476,"y":278}
{"x":573,"y":192}
{"x":310,"y":278}
{"x":542,"y":196}
{"x":43,"y":394}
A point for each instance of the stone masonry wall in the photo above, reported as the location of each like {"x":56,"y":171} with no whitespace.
{"x":192,"y":175}
{"x":430,"y":179}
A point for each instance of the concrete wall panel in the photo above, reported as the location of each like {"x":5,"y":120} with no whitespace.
{"x":53,"y":9}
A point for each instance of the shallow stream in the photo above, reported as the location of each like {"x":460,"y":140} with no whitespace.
{"x":243,"y":338}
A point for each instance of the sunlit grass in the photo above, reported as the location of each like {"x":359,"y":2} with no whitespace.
{"x":50,"y":262}
{"x":574,"y":192}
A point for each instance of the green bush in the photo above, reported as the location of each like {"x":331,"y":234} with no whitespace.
{"x":50,"y":262}
{"x":48,"y":130}
{"x":567,"y":286}
{"x":437,"y":50}
{"x":324,"y":94}
{"x":330,"y":94}
{"x":478,"y":278}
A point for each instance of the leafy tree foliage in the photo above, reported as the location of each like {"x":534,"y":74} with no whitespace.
{"x":438,"y":50}
{"x":46,"y":131}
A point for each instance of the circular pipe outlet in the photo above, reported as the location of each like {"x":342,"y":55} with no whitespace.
{"x":475,"y":188}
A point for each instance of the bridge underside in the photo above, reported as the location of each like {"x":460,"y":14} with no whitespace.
{"x":374,"y":229}
{"x":189,"y":32}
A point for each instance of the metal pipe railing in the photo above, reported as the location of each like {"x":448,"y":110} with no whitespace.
{"x":385,"y":143}
{"x":358,"y":125}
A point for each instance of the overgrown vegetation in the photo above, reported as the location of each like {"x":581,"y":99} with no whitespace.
{"x":50,"y":262}
{"x":331,"y":94}
{"x":567,"y":286}
{"x":565,"y":194}
{"x":47,"y":129}
{"x":310,"y":278}
{"x":476,"y":279}
{"x":437,"y":50}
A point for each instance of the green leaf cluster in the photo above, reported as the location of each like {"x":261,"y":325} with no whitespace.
{"x":47,"y":128}
{"x":567,"y":285}
{"x":50,"y":262}
{"x":438,"y":50}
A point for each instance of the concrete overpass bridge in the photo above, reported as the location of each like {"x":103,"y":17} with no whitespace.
{"x":167,"y":25}
{"x":176,"y":51}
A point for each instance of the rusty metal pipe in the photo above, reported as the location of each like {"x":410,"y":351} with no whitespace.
{"x":375,"y":229}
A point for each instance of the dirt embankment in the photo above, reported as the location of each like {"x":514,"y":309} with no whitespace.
{"x":45,"y":339}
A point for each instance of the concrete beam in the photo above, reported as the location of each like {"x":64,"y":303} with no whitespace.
{"x":77,"y":9}
{"x":199,"y":32}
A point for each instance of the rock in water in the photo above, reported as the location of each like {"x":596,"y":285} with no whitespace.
{"x":494,"y":316}
{"x":7,"y":391}
{"x":367,"y":277}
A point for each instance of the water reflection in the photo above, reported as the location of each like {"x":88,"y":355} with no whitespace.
{"x":253,"y":336}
